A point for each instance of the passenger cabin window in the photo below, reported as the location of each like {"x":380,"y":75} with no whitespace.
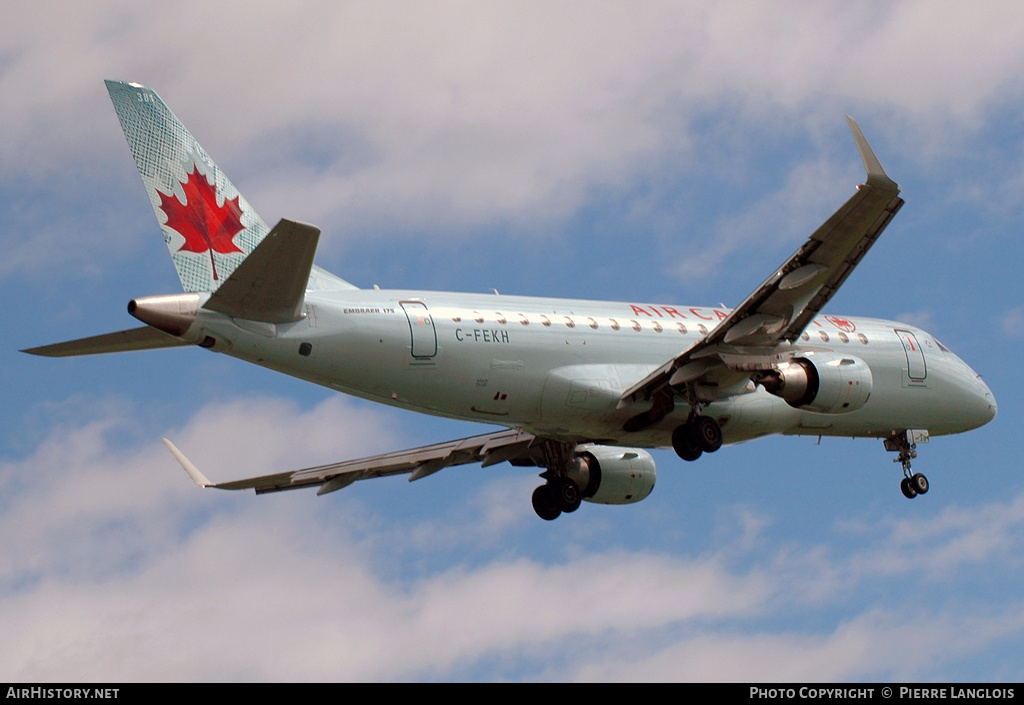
{"x":545,"y":320}
{"x":681,"y":327}
{"x":456,"y":318}
{"x":593,"y":324}
{"x":634,"y":325}
{"x":842,"y":337}
{"x":478,"y":317}
{"x":614,"y":324}
{"x":823,"y":335}
{"x":569,"y":323}
{"x":804,"y":337}
{"x":657,"y":327}
{"x":862,"y":338}
{"x":702,"y":328}
{"x":501,"y":317}
{"x":524,"y":320}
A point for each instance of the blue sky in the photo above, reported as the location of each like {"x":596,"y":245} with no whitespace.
{"x":617,"y":151}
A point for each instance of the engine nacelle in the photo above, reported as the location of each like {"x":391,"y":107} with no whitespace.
{"x":612,"y":475}
{"x":825,"y":382}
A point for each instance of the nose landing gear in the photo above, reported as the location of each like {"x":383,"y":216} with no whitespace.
{"x":913,"y":485}
{"x":904,"y":442}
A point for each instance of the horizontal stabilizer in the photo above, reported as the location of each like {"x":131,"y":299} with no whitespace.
{"x":145,"y":338}
{"x":270,"y":284}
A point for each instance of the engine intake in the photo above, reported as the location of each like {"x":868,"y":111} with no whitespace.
{"x":825,"y":382}
{"x":613,"y":475}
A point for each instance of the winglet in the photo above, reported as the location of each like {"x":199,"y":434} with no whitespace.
{"x":193,"y":472}
{"x":876,"y":174}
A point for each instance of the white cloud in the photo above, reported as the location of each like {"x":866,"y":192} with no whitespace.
{"x":881,"y":645}
{"x":776,"y":224}
{"x":925,"y":318}
{"x":115,"y":567}
{"x":470,"y":113}
{"x":1013,"y":323}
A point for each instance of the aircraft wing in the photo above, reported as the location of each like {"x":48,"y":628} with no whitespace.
{"x":487,"y":449}
{"x":796,"y":292}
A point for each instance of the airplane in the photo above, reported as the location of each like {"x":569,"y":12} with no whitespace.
{"x":580,"y":389}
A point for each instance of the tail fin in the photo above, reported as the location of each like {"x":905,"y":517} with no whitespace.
{"x":208,"y":227}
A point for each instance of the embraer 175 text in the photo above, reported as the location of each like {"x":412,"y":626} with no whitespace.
{"x":580,"y":387}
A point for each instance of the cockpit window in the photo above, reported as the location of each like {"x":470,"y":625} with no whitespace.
{"x":942,"y":347}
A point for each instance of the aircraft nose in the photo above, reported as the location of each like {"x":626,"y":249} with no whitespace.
{"x":981,"y":405}
{"x":976,"y":405}
{"x":991,"y":408}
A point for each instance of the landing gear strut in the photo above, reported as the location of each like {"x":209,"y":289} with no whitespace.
{"x":912,"y":483}
{"x":700,"y":434}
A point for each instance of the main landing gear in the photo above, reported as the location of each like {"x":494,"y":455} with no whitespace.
{"x":912,"y":484}
{"x":700,"y":434}
{"x":560,"y":493}
{"x":557,"y":495}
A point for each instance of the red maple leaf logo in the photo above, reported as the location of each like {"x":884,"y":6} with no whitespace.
{"x":842,"y":323}
{"x":205,"y":226}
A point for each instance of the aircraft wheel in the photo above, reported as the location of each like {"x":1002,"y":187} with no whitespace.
{"x":709,"y":434}
{"x":568,"y":495}
{"x":907,"y":487}
{"x":685,"y":443}
{"x":545,"y":503}
{"x":920,"y":483}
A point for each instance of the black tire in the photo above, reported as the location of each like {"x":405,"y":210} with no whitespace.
{"x":709,"y":434}
{"x":684,"y":442}
{"x":907,"y":487}
{"x":920,"y":483}
{"x":568,"y":495}
{"x":545,"y":503}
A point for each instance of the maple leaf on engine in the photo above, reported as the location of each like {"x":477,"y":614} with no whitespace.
{"x":205,"y":226}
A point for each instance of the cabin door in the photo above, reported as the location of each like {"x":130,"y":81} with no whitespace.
{"x":917,"y":369}
{"x":423,"y":343}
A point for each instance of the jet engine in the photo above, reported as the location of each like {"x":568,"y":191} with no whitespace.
{"x":825,"y":382}
{"x":612,"y":475}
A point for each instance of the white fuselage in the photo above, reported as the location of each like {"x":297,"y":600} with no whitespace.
{"x":557,"y":368}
